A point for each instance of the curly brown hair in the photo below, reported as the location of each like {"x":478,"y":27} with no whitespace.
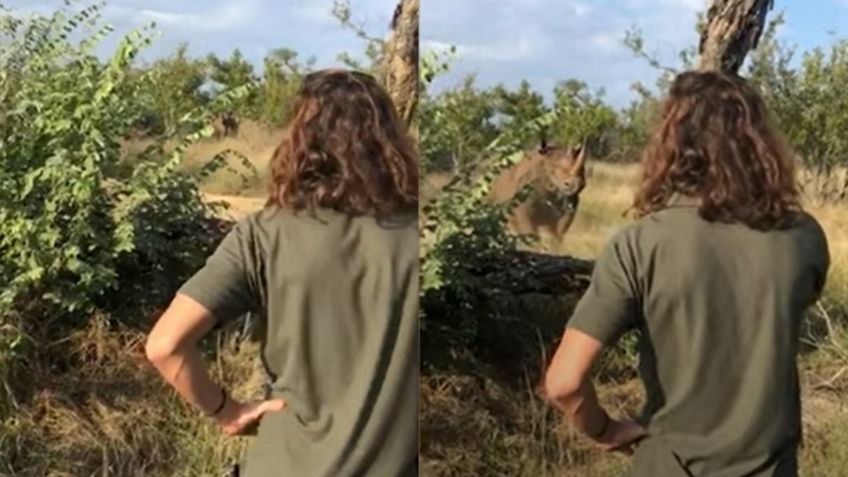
{"x":345,"y":150}
{"x":717,"y":143}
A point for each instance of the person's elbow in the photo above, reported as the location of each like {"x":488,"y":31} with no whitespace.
{"x":160,"y":347}
{"x":560,"y":387}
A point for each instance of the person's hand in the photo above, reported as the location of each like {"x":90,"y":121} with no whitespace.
{"x":620,"y":436}
{"x":242,"y":419}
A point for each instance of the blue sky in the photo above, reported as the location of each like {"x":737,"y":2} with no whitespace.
{"x":502,"y":41}
{"x":545,"y":41}
{"x":254,"y":26}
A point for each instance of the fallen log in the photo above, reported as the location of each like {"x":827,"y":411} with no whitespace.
{"x":525,"y":272}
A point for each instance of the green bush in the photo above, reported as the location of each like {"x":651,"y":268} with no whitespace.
{"x":462,"y":234}
{"x":79,"y":229}
{"x":808,"y":99}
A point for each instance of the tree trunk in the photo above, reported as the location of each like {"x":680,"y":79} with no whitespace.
{"x":732,"y":29}
{"x":400,"y":60}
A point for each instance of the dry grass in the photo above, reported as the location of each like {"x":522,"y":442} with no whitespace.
{"x":109,"y":413}
{"x":476,"y":425}
{"x":237,"y":206}
{"x":240,"y":186}
{"x":254,"y":141}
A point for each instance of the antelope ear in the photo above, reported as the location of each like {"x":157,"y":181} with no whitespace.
{"x":578,"y":150}
{"x":573,"y":151}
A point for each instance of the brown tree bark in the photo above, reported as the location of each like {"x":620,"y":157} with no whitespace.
{"x":731,"y":30}
{"x":400,"y":59}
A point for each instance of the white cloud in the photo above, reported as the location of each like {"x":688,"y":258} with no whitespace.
{"x":607,"y":41}
{"x":547,"y":41}
{"x":581,"y":9}
{"x":229,"y":16}
{"x":318,"y":12}
{"x":504,"y":50}
{"x":692,"y":5}
{"x":577,"y":8}
{"x":669,"y":5}
{"x":34,"y":8}
{"x":435,"y":45}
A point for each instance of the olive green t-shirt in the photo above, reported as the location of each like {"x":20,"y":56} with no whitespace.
{"x":718,"y":307}
{"x":339,"y":297}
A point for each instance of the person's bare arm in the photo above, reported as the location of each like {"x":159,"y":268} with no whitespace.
{"x":172,"y":348}
{"x":567,"y":384}
{"x":568,"y":387}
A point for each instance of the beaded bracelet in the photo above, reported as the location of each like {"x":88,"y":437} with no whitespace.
{"x":223,"y":403}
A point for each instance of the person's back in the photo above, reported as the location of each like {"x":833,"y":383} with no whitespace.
{"x":716,"y":274}
{"x":720,"y":315}
{"x":331,"y":266}
{"x":341,"y":341}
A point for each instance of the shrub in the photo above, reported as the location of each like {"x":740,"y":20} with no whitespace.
{"x":462,"y":235}
{"x":79,"y":227}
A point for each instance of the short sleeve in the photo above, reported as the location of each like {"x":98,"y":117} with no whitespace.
{"x":609,"y":307}
{"x":222,"y":286}
{"x":820,"y":255}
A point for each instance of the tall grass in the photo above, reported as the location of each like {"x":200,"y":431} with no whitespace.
{"x":254,"y":141}
{"x":100,"y":409}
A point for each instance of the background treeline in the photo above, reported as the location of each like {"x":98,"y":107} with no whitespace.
{"x":805,"y":92}
{"x":171,"y":87}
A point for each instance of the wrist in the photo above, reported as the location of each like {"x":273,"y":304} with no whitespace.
{"x":228,"y":413}
{"x":225,"y":410}
{"x":223,"y":402}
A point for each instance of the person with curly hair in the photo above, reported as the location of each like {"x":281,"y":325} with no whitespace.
{"x":331,"y":265}
{"x":715,"y":275}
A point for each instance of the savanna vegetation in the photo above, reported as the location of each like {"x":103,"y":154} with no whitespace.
{"x":484,"y":345}
{"x":114,"y":174}
{"x":116,"y":177}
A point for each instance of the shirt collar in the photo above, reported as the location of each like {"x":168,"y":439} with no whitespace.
{"x":681,"y":200}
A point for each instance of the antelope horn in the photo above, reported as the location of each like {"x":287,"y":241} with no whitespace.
{"x":581,"y":156}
